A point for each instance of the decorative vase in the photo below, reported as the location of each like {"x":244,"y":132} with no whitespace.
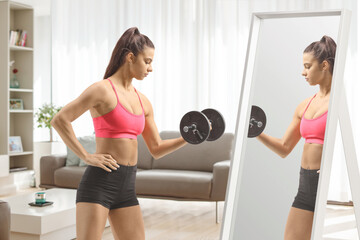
{"x":14,"y":83}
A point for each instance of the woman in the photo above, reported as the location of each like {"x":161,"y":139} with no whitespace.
{"x":120,"y":113}
{"x":309,"y":121}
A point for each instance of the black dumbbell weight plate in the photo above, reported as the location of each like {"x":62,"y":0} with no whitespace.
{"x":256,"y":128}
{"x":217,"y":123}
{"x":202,"y":131}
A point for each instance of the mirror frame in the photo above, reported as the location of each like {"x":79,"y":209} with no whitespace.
{"x":242,"y":123}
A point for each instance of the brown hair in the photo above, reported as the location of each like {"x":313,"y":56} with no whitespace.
{"x":131,"y":41}
{"x":323,"y":50}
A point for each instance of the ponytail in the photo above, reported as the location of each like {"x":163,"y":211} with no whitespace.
{"x":323,"y":50}
{"x":131,"y":41}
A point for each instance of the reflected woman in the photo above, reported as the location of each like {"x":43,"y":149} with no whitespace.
{"x":309,"y":122}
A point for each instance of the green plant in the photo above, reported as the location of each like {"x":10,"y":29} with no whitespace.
{"x":45,"y":114}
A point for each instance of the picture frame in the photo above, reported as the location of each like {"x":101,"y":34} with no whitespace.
{"x":16,"y":104}
{"x":15,"y":145}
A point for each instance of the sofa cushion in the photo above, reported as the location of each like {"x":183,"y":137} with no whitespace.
{"x":68,"y":177}
{"x":48,"y":165}
{"x":174,"y":183}
{"x":199,"y":157}
{"x":145,"y":160}
{"x":88,"y":142}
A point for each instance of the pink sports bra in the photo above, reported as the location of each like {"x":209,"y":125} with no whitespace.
{"x":313,"y":130}
{"x":119,"y":122}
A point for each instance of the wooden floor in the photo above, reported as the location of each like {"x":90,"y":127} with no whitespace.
{"x":175,"y":220}
{"x":172,"y":220}
{"x":340,"y":223}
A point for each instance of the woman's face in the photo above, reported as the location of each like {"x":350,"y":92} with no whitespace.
{"x":314,"y":72}
{"x":141,"y":65}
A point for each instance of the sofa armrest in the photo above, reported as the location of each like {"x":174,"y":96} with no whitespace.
{"x":220,"y":179}
{"x":4,"y":220}
{"x":48,"y":166}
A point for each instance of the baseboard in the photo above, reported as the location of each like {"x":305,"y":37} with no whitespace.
{"x":332,"y":202}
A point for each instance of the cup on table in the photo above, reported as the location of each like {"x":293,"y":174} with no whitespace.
{"x":40,"y":197}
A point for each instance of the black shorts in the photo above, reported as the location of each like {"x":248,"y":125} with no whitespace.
{"x":306,"y":196}
{"x":112,"y":190}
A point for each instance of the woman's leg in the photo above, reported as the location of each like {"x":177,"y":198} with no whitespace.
{"x":299,"y":224}
{"x":90,"y":220}
{"x":127,"y":223}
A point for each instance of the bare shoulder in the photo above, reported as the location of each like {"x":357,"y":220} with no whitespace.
{"x":91,"y":97}
{"x":143,"y":97}
{"x":95,"y":94}
{"x":100,"y":87}
{"x":146,"y":103}
{"x":301,"y":107}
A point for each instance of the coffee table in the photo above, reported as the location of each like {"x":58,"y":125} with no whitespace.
{"x":54,"y":222}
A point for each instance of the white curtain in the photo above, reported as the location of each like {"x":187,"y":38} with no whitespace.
{"x":199,"y":57}
{"x":197,"y":64}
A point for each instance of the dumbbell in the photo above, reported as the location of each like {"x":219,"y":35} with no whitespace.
{"x":253,"y":122}
{"x":257,"y":121}
{"x":196,"y":127}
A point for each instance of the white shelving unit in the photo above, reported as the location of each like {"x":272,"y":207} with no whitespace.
{"x":15,"y":16}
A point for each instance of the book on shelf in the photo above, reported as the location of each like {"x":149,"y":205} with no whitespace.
{"x":18,"y":37}
{"x":18,"y":169}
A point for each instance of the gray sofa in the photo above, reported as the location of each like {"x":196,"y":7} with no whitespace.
{"x":194,"y":172}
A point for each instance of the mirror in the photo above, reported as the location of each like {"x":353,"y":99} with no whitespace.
{"x":262,"y":185}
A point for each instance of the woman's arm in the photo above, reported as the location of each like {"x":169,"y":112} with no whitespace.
{"x":286,"y":144}
{"x":61,"y":122}
{"x":157,"y":147}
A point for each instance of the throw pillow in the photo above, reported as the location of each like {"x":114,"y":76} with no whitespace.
{"x":88,"y":142}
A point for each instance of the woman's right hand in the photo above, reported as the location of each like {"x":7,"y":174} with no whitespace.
{"x":104,"y":161}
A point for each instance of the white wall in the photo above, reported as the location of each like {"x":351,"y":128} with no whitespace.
{"x":42,"y":71}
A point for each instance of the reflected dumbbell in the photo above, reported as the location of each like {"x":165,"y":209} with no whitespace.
{"x":257,"y":121}
{"x":253,"y":122}
{"x":196,"y":127}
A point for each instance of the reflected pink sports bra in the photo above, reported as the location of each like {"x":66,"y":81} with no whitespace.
{"x":313,"y":130}
{"x":119,"y":122}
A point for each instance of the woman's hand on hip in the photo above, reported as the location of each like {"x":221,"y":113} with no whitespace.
{"x":104,"y":161}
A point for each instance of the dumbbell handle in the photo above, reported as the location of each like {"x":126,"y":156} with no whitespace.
{"x":193,"y":126}
{"x":187,"y":128}
{"x":258,"y":123}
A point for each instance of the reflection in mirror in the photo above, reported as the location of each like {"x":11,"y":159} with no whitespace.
{"x":277,"y":172}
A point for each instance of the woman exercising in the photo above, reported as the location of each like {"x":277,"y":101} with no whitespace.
{"x":120,"y":113}
{"x":309,"y":122}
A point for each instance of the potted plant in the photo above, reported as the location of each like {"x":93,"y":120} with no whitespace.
{"x":44,"y":115}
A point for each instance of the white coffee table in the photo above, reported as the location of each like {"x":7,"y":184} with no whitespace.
{"x":52,"y":222}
